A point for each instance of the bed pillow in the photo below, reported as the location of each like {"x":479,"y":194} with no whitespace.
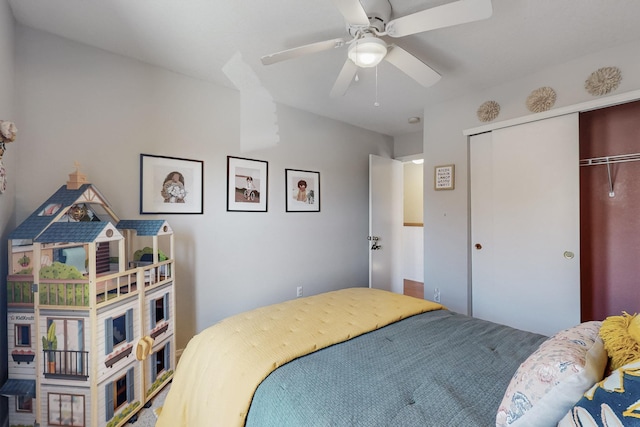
{"x":621,"y":337}
{"x":554,"y":377}
{"x":612,"y":402}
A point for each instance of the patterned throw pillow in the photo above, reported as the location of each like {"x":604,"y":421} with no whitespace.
{"x":612,"y":402}
{"x":554,"y":377}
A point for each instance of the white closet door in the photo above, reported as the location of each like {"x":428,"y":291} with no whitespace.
{"x":525,"y":227}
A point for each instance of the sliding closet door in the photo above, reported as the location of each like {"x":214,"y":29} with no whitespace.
{"x":525,"y":225}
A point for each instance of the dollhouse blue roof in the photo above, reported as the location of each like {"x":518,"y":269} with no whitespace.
{"x":36,"y":223}
{"x":143,"y":227}
{"x":15,"y":387}
{"x":77,"y":232}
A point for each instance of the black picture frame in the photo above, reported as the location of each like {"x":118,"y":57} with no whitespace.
{"x":304,"y":198}
{"x":171,"y":185}
{"x":247,"y":185}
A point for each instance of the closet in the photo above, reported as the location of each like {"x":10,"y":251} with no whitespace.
{"x":610,"y":211}
{"x":525,"y":251}
{"x":555,"y":223}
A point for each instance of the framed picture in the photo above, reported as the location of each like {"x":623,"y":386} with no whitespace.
{"x":302,"y":191}
{"x":247,"y":184}
{"x":444,"y":177}
{"x":170,"y":185}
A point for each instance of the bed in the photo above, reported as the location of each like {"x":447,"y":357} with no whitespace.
{"x":366,"y":357}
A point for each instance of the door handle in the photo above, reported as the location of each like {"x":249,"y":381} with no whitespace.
{"x":374,"y":246}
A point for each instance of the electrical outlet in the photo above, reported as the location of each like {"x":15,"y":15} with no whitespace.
{"x":436,"y":294}
{"x":299,"y":291}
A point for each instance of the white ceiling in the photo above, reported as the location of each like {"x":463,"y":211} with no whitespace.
{"x":198,"y":37}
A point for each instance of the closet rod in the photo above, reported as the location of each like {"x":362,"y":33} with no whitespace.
{"x":610,"y":159}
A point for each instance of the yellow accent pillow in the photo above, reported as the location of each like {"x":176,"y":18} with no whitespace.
{"x":621,"y":336}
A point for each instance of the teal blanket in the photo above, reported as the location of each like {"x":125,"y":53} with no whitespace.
{"x":433,"y":369}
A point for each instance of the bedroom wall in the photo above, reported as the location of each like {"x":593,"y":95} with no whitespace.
{"x":7,"y":199}
{"x":447,"y":212}
{"x":77,"y":103}
{"x":409,"y":144}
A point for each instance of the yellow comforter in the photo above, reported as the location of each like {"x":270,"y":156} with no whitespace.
{"x":222,"y":366}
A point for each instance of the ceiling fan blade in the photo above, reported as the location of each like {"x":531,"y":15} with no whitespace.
{"x":302,"y":50}
{"x":348,"y":72}
{"x":352,"y":11}
{"x":458,"y":12}
{"x":412,"y":66}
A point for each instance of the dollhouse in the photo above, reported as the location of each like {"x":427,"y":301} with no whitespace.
{"x":90,"y":301}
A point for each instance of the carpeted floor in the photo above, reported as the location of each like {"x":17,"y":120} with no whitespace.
{"x":147,"y":416}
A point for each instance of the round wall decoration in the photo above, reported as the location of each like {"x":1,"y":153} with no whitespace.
{"x":488,"y":111}
{"x":541,"y":99}
{"x":603,"y":81}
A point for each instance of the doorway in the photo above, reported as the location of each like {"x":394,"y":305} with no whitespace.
{"x":413,"y":228}
{"x":396,"y":236}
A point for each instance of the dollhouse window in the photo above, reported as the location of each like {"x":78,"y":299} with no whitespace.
{"x":160,"y":354}
{"x":161,"y":361}
{"x":50,"y":209}
{"x":24,"y":404}
{"x":65,"y":409}
{"x":118,"y":393}
{"x":23,"y":335}
{"x":160,"y":309}
{"x":70,"y":357}
{"x":118,"y":330}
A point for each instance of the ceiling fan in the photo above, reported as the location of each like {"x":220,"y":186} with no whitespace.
{"x":370,"y":20}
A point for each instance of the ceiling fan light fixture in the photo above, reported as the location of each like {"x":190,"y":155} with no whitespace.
{"x":367,"y":51}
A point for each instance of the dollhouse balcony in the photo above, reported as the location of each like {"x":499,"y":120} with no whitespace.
{"x":66,"y":364}
{"x":64,"y":292}
{"x":111,"y":287}
{"x":19,"y":292}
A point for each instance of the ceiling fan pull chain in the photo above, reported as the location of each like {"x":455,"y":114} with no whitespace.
{"x":376,"y":104}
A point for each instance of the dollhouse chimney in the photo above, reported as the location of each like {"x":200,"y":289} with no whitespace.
{"x":76,"y":179}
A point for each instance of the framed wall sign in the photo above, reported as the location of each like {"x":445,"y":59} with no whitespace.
{"x":302,"y":191}
{"x":247,"y":184}
{"x":171,"y":185}
{"x":444,"y":177}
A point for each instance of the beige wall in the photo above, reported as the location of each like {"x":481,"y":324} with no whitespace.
{"x":413,"y":193}
{"x":82,"y":104}
{"x":10,"y":159}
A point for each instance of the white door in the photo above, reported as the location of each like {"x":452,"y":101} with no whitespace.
{"x":385,"y":223}
{"x":525,"y":227}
